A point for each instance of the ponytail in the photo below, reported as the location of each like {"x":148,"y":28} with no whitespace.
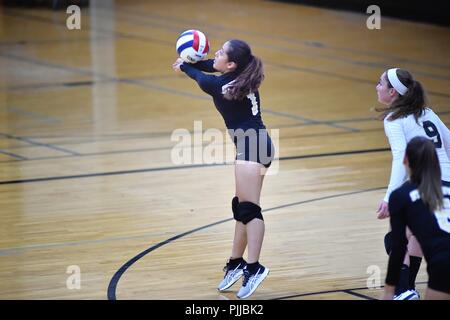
{"x":425,"y":171}
{"x":248,"y":81}
{"x":249,"y":68}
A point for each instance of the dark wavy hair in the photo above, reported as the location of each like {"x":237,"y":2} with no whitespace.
{"x":425,"y":171}
{"x":412,"y":102}
{"x":249,"y":68}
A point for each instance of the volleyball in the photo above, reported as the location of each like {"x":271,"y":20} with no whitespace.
{"x":192,"y":46}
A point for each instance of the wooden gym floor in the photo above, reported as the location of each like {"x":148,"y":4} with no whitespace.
{"x":86,"y":177}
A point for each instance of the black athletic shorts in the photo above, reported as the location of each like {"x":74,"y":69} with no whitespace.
{"x":253,"y":145}
{"x":439,"y":268}
{"x":439,"y":272}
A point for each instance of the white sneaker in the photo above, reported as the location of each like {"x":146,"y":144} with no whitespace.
{"x":408,"y":295}
{"x":231,"y":275}
{"x":252,"y":281}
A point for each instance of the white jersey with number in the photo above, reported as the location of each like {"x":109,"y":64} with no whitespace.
{"x":402,"y":130}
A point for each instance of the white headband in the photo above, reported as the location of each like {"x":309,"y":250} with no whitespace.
{"x":395,"y":81}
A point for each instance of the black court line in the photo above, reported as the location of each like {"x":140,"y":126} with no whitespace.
{"x":349,"y":291}
{"x":192,"y":166}
{"x":13,"y":155}
{"x":359,"y":295}
{"x":53,"y":85}
{"x":112,"y":287}
{"x":49,"y":41}
{"x":90,"y":154}
{"x":112,"y":173}
{"x":62,"y":24}
{"x":115,"y":279}
{"x":316,"y":293}
{"x":323,"y":198}
{"x":308,"y":121}
{"x":164,"y":89}
{"x":99,"y":138}
{"x":332,"y":154}
{"x":78,"y":83}
{"x":50,"y":146}
{"x":42,"y":63}
{"x":35,"y":86}
{"x":33,"y":115}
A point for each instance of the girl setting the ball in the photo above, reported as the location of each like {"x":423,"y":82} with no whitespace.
{"x":236,"y":97}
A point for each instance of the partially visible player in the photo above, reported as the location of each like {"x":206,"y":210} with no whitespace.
{"x":422,"y":204}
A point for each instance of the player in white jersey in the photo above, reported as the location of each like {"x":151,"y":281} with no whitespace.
{"x":405,"y":117}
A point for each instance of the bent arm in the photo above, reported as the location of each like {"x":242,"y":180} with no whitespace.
{"x":208,"y":83}
{"x":204,"y":65}
{"x":397,"y":140}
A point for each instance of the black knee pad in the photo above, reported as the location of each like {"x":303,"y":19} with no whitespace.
{"x":247,"y":211}
{"x":388,"y":242}
{"x":234,"y":207}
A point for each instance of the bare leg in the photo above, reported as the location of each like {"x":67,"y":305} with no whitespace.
{"x":415,"y":258}
{"x":414,"y":248}
{"x":249,"y":179}
{"x":406,"y":260}
{"x":255,"y":231}
{"x":239,"y":241}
